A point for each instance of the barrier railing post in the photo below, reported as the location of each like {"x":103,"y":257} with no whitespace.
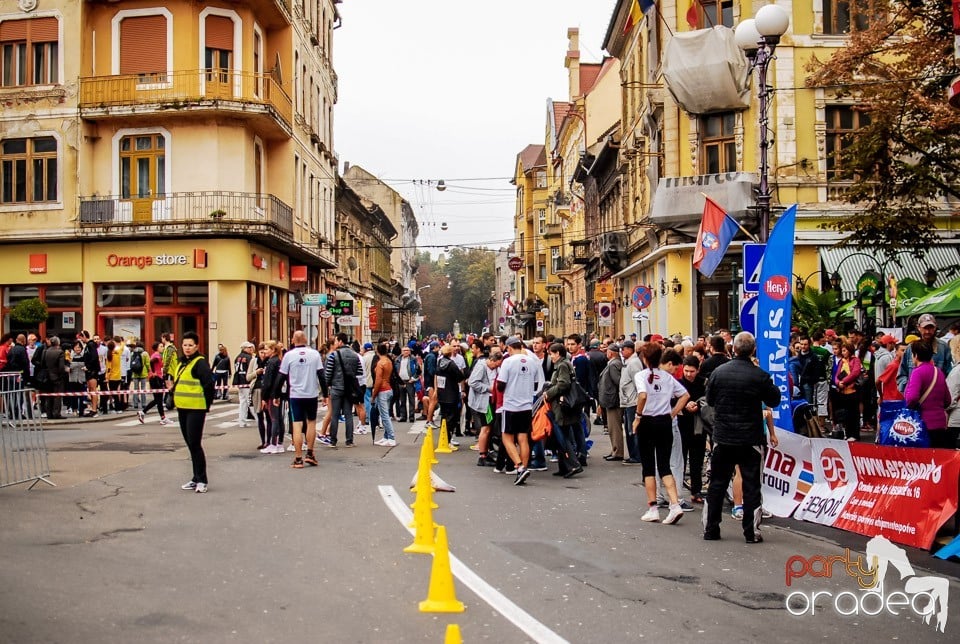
{"x":23,"y":449}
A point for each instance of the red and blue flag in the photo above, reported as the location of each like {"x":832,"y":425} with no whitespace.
{"x":717,"y":229}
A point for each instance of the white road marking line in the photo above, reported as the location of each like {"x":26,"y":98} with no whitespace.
{"x":523,"y":620}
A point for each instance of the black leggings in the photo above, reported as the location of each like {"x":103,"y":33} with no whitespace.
{"x":155,"y":384}
{"x":191,"y":426}
{"x":655,"y":438}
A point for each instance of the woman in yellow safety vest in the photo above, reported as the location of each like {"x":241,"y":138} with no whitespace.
{"x":193,"y":395}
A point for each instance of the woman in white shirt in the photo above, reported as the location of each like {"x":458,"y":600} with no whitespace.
{"x":653,"y":426}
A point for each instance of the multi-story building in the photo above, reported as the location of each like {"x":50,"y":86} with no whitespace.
{"x":530,"y":232}
{"x":167,"y":166}
{"x":678,"y":146}
{"x":400,"y":307}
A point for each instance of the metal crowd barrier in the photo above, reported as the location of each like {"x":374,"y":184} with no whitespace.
{"x":23,"y":450}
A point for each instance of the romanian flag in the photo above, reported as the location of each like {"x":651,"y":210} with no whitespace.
{"x":717,"y":229}
{"x":637,"y":9}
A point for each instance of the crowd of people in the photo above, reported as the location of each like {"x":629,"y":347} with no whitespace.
{"x":665,"y":403}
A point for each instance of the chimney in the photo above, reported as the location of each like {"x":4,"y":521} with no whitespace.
{"x":572,"y":62}
{"x":346,"y":166}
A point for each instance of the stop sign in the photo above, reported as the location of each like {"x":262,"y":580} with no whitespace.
{"x":515,"y":263}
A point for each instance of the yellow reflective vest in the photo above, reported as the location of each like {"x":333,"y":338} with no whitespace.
{"x":188,"y":392}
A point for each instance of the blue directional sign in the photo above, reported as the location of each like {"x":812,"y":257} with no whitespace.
{"x":752,"y":263}
{"x":748,"y":314}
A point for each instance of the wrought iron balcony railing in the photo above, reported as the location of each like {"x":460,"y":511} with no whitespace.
{"x":185,"y":89}
{"x":196,"y":209}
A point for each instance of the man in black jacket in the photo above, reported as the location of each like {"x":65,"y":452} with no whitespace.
{"x":737,"y":392}
{"x":718,"y":356}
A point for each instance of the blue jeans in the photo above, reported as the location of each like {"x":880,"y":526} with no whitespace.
{"x":384,"y":399}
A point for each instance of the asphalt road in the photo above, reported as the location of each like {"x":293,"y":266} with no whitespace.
{"x":118,"y":553}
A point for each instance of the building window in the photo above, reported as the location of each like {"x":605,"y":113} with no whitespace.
{"x":717,"y":146}
{"x":844,"y":16}
{"x":555,"y":264}
{"x":842,"y":123}
{"x":143,"y":48}
{"x":541,"y":178}
{"x":541,"y":221}
{"x":716,"y":12}
{"x":28,"y":170}
{"x":143,"y":167}
{"x":542,"y":267}
{"x":64,"y":309}
{"x":29,"y":52}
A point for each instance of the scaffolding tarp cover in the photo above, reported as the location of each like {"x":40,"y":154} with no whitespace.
{"x":706,"y":72}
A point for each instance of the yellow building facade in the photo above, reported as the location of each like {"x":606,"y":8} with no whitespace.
{"x":170,"y":166}
{"x":674,"y":154}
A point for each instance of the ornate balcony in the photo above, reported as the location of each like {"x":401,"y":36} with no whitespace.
{"x":214,"y":213}
{"x":182,"y":93}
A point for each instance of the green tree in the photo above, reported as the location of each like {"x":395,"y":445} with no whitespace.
{"x":908,"y":156}
{"x":460,"y":286}
{"x":816,"y":310}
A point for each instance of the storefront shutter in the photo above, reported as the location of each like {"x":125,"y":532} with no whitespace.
{"x":219,"y":33}
{"x":34,"y":29}
{"x":143,"y":45}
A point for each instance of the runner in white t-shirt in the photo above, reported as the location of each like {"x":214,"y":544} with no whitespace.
{"x":520,"y":378}
{"x":302,"y":368}
{"x":653,"y":426}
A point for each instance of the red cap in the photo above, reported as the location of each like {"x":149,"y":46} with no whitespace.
{"x":656,"y":337}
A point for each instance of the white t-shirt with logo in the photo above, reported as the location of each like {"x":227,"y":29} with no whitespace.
{"x":523,"y":376}
{"x":300,"y":365}
{"x":660,"y":392}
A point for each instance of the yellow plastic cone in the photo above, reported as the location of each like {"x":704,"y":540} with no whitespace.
{"x":424,"y":483}
{"x":453,"y":635}
{"x":441,"y":598}
{"x":423,"y":538}
{"x":428,"y":440}
{"x":444,"y":446}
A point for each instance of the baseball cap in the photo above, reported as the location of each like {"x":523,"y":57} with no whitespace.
{"x":433,"y":345}
{"x":926,"y":320}
{"x":633,"y":335}
{"x":594,"y":344}
{"x":514,"y":341}
{"x":628,"y":344}
{"x":830,"y":333}
{"x":613,"y":346}
{"x":656,"y":337}
{"x":910,"y":339}
{"x":888,"y":339}
{"x":367,"y":346}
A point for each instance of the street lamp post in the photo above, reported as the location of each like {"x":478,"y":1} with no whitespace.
{"x":758,"y":37}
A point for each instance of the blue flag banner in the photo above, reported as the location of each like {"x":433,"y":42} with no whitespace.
{"x":716,"y":232}
{"x":774,"y":308}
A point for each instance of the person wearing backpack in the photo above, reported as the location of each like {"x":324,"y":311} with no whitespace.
{"x":139,"y":374}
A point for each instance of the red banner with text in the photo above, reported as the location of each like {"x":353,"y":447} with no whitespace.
{"x":903,"y":493}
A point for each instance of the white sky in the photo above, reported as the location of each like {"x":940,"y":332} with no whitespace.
{"x":453,"y":90}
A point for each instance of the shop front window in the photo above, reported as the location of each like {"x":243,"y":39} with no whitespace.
{"x":274,"y":314}
{"x":121,"y":295}
{"x":162,"y":294}
{"x":255,"y":312}
{"x":64,"y":309}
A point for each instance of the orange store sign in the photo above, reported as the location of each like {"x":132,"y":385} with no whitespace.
{"x":143,"y":261}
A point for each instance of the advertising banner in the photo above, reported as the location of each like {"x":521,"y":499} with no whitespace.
{"x":774,"y":308}
{"x":904,"y":494}
{"x":787,"y":474}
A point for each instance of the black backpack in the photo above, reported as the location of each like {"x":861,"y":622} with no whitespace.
{"x":136,"y":363}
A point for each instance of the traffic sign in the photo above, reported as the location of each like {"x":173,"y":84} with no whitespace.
{"x":748,"y":314}
{"x":325,"y":314}
{"x":515,"y":263}
{"x":641,"y":297}
{"x":603,"y":292}
{"x":752,"y":263}
{"x":315,"y":299}
{"x":539,"y":325}
{"x":605,"y":314}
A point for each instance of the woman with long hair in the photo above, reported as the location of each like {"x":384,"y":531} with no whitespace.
{"x":193,"y":393}
{"x":271,"y":402}
{"x":653,"y":426}
{"x":846,"y":406}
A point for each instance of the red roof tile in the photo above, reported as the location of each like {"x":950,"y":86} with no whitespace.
{"x":588,"y":76}
{"x":560,"y":111}
{"x":532,"y":156}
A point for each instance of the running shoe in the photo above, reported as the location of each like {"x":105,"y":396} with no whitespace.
{"x":685,"y":506}
{"x":165,"y":421}
{"x":522,"y":475}
{"x":189,"y":485}
{"x":388,"y":442}
{"x":201,"y":488}
{"x":673,"y":515}
{"x":737,"y":512}
{"x":651,"y":515}
{"x":324,"y":439}
{"x":140,"y":416}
